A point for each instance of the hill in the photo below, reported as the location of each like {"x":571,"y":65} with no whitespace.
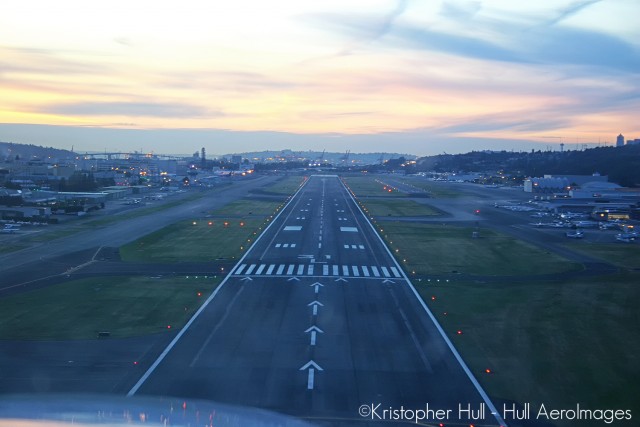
{"x":9,"y":151}
{"x":621,"y":164}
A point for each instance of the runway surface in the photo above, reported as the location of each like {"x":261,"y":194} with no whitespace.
{"x":318,"y":321}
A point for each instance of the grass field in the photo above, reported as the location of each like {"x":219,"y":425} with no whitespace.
{"x":553,"y":343}
{"x":124,"y":306}
{"x":625,"y":255}
{"x":194,"y":241}
{"x":435,"y":189}
{"x":393,"y":207}
{"x":438,"y":249}
{"x":366,"y":186}
{"x":285,"y":186}
{"x":136,"y":213}
{"x":6,"y":247}
{"x":245,"y":208}
{"x":227,"y":234}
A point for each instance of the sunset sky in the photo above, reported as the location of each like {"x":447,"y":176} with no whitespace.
{"x":419,"y":77}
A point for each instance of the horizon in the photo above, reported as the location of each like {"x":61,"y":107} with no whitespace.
{"x":448,"y":76}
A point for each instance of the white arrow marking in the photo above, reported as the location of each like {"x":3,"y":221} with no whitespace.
{"x":317,"y":286}
{"x":311,"y":366}
{"x":293,"y":278}
{"x":339,"y":279}
{"x":314,"y":330}
{"x":388,"y":281}
{"x":246,"y":278}
{"x":315,"y":305}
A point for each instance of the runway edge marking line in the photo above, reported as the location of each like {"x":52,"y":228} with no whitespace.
{"x":173,"y":342}
{"x":464,"y":366}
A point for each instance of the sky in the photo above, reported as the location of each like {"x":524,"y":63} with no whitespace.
{"x":414,"y":76}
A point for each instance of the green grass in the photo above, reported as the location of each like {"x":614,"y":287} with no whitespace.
{"x":285,"y":186}
{"x":555,"y":343}
{"x":394,"y":207}
{"x":439,"y":190}
{"x":366,"y":186}
{"x":625,"y":255}
{"x":246,"y":208}
{"x":11,"y":247}
{"x":136,"y":213}
{"x":124,"y":306}
{"x":438,"y":249}
{"x":188,"y":242}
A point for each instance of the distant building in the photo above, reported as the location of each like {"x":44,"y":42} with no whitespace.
{"x":236,"y":159}
{"x":633,"y":142}
{"x":560,"y":183}
{"x":620,"y":141}
{"x":547,"y":184}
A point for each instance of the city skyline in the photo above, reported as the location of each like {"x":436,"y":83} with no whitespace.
{"x":450,"y":76}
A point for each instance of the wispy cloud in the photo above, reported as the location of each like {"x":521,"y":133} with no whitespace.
{"x":133,"y":109}
{"x":571,"y":10}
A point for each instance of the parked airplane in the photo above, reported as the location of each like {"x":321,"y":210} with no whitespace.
{"x":10,"y":228}
{"x":625,"y":237}
{"x":575,"y":234}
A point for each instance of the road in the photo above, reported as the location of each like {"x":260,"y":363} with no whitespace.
{"x":317,"y":320}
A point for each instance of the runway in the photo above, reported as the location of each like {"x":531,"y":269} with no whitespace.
{"x":318,"y":321}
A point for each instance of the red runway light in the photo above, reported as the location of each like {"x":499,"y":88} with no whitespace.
{"x":199,"y":294}
{"x":433,"y":298}
{"x":459,"y":332}
{"x":488,"y":371}
{"x":168,"y":326}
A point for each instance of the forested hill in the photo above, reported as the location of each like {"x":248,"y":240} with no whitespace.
{"x":28,"y":151}
{"x":622,"y":164}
